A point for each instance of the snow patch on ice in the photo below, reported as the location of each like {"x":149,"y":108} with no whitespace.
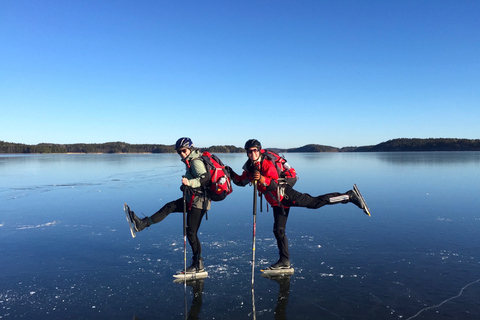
{"x":443,"y":219}
{"x":48,"y":224}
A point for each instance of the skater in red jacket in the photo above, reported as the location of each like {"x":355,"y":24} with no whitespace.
{"x":279,"y":193}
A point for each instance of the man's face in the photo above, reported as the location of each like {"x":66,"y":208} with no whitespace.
{"x":253,"y":153}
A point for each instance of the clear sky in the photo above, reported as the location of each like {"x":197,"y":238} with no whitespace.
{"x":288,"y":73}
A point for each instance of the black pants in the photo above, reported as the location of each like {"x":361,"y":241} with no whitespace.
{"x":194,"y":219}
{"x":293,"y":198}
{"x":280,"y":216}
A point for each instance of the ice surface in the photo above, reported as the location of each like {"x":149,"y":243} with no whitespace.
{"x":66,"y":250}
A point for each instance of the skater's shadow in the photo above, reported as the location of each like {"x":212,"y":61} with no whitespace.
{"x":197,"y":292}
{"x":280,"y":312}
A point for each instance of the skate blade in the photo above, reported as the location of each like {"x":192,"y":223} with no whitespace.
{"x":365,"y":207}
{"x":129,"y":220}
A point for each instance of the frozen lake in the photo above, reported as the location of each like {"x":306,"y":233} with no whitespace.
{"x":66,"y":251}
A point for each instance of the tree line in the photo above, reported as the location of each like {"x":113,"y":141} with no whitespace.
{"x":430,"y":144}
{"x":395,"y":145}
{"x":109,"y":147}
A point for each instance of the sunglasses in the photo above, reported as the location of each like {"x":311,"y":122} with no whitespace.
{"x":250,"y":151}
{"x":182,"y":151}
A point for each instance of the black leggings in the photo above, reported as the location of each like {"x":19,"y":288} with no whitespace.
{"x":293,"y":198}
{"x":194,"y":220}
{"x":280,"y":217}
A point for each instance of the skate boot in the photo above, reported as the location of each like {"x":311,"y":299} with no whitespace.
{"x":196,"y":266}
{"x":356,"y":198}
{"x":138,"y":223}
{"x":280,"y":264}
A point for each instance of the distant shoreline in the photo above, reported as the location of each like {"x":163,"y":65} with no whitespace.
{"x":395,"y":145}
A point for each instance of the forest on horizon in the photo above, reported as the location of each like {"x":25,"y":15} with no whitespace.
{"x":395,"y":145}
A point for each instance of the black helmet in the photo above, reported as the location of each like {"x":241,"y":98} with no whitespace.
{"x":252,"y":143}
{"x":183,"y":143}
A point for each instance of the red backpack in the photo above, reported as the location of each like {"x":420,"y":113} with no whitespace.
{"x":220,"y":185}
{"x":286,"y":173}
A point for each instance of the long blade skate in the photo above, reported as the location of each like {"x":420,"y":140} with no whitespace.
{"x":364,"y":203}
{"x":129,"y":219}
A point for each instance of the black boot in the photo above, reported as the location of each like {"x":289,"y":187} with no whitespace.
{"x":139,"y":224}
{"x":355,"y":199}
{"x":196,"y":266}
{"x":280,"y":264}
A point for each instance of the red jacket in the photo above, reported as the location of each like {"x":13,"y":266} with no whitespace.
{"x":268,"y":170}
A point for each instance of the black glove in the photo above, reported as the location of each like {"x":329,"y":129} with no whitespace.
{"x":188,"y":189}
{"x":231,"y":172}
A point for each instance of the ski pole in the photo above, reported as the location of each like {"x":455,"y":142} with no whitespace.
{"x":185,"y":247}
{"x":184,"y":236}
{"x":254,"y":229}
{"x":253,"y":244}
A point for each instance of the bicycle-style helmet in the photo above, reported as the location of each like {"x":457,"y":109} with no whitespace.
{"x":252,"y":143}
{"x":183,"y":143}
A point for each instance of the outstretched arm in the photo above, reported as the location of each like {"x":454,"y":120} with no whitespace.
{"x":240,"y":181}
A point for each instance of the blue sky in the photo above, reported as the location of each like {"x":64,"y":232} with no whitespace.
{"x":289,"y":73}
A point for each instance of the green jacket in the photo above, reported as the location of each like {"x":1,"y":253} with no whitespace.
{"x":196,"y":174}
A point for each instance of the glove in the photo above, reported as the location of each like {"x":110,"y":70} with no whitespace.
{"x":259,"y":177}
{"x":231,"y":172}
{"x":187,"y":189}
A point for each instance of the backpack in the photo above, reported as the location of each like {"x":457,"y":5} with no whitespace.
{"x":220,"y":184}
{"x":286,"y":173}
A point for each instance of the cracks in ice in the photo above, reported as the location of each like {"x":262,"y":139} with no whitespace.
{"x":445,"y":301}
